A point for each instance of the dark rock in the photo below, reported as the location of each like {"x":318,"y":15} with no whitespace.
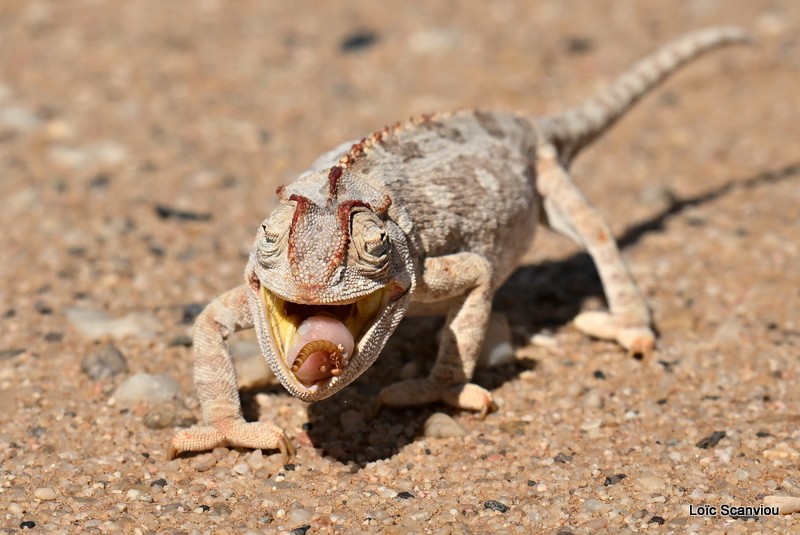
{"x":613,"y":480}
{"x":53,"y":337}
{"x":578,"y":44}
{"x":181,"y":340}
{"x":562,"y":458}
{"x":104,"y":364}
{"x":711,"y":440}
{"x":494,"y":505}
{"x":191,"y":311}
{"x":42,"y":308}
{"x":358,"y":40}
{"x":168,"y":212}
{"x":11,"y":353}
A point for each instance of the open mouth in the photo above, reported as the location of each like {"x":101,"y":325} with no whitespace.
{"x":317,"y":342}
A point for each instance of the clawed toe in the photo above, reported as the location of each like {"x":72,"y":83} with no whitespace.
{"x":639,"y":341}
{"x":467,"y":396}
{"x":253,"y":435}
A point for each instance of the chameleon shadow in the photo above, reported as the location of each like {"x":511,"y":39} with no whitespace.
{"x":344,"y":427}
{"x":556,"y":290}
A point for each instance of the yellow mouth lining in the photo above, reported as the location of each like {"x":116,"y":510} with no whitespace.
{"x":284,"y":317}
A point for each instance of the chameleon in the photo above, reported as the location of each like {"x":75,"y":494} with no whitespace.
{"x":426,"y":217}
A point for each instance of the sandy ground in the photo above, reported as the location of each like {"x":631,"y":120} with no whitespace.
{"x":141,"y":141}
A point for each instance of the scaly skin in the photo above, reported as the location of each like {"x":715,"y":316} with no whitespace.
{"x":430,"y":216}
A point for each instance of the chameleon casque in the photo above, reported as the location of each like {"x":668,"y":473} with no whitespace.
{"x":426,"y":217}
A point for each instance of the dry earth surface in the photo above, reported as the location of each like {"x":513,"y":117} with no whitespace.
{"x":140,"y":145}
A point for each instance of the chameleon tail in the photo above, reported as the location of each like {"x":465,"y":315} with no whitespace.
{"x":574,"y":129}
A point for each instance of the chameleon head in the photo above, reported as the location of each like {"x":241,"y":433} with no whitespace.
{"x":329,"y":278}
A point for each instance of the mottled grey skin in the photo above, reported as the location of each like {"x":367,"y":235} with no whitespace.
{"x":431,"y":216}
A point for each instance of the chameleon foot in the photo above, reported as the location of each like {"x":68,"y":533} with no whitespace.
{"x":238,"y":434}
{"x":639,"y":341}
{"x":467,"y":396}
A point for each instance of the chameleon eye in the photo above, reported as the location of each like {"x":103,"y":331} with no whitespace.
{"x":272,"y":233}
{"x":370,"y":240}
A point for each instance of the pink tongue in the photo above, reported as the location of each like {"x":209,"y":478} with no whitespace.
{"x":317,"y":365}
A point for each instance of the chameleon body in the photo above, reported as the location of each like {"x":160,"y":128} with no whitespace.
{"x":426,"y":217}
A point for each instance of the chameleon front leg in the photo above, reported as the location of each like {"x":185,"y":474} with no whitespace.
{"x":464,"y":279}
{"x":569,"y":213}
{"x":217,"y":390}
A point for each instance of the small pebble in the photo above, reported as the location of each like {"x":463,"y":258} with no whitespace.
{"x":652,"y":483}
{"x":161,"y":416}
{"x":221,"y":509}
{"x":592,"y":505}
{"x":43,"y":308}
{"x":656,"y":520}
{"x":301,"y":530}
{"x":787,"y":504}
{"x":104,"y":364}
{"x":190,"y":312}
{"x":146,"y":388}
{"x":160,"y":482}
{"x":496,"y":349}
{"x":204,"y":462}
{"x":255,"y":459}
{"x":711,"y":440}
{"x":433,"y":41}
{"x":19,"y":119}
{"x":241,"y":469}
{"x":594,"y":400}
{"x":613,"y":480}
{"x":44,"y":494}
{"x":27,"y":524}
{"x":97,"y":324}
{"x":53,"y":337}
{"x":440,"y":425}
{"x":782,"y":452}
{"x":543,"y":340}
{"x":182,"y":340}
{"x":358,"y":40}
{"x":170,"y":212}
{"x":562,"y":458}
{"x":404,"y":495}
{"x":299,"y":516}
{"x":8,"y":354}
{"x":494,"y":505}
